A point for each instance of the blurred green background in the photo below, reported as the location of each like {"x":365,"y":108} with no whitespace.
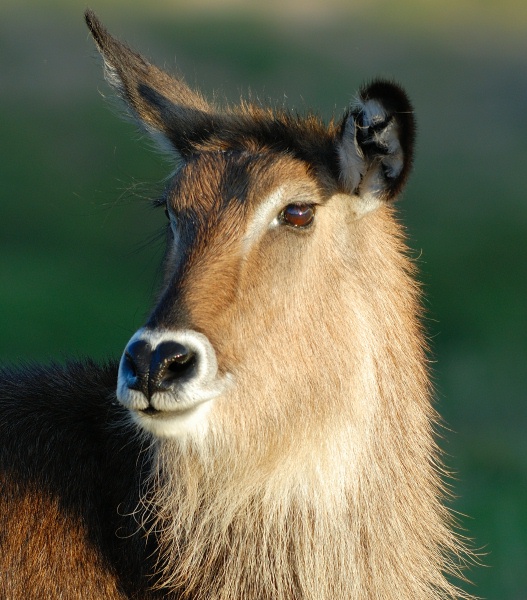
{"x":80,"y":247}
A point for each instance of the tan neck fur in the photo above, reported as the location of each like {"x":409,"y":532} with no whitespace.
{"x":347,"y":508}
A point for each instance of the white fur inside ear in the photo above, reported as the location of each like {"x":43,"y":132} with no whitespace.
{"x":387,"y":137}
{"x":112,"y":75}
{"x":372,"y":112}
{"x":351,"y":157}
{"x":161,"y":142}
{"x":370,"y":153}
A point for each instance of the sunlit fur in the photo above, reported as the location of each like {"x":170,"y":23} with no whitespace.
{"x":321,"y":483}
{"x":314,"y":475}
{"x":318,"y":475}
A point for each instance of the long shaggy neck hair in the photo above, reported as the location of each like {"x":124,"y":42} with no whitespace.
{"x":342,"y":500}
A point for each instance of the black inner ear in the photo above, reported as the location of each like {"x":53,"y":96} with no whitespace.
{"x":368,"y":137}
{"x":397,"y":105}
{"x":386,"y":136}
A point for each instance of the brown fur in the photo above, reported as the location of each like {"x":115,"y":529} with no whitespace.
{"x":36,"y":564}
{"x":313,"y":487}
{"x":317,"y":476}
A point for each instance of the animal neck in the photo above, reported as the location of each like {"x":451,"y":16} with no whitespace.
{"x":349,"y":507}
{"x":369,"y":528}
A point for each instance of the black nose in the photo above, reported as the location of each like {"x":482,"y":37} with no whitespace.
{"x":155,"y":370}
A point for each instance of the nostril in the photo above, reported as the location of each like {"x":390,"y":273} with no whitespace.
{"x":181,"y":365}
{"x":173,"y":361}
{"x":138,"y":355}
{"x":128,"y":366}
{"x":136,"y":364}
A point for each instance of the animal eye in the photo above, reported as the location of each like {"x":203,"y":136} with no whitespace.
{"x":298,"y":215}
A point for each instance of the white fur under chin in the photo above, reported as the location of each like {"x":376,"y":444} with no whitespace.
{"x":180,"y":425}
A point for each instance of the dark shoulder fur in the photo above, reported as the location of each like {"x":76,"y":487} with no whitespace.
{"x":71,"y":470}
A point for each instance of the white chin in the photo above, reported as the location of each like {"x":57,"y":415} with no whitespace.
{"x":175,"y":424}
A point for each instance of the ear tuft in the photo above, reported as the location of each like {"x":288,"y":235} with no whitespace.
{"x":375,"y":144}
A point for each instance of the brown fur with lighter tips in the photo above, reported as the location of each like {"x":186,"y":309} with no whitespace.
{"x":314,"y":473}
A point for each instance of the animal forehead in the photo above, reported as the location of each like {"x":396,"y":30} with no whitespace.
{"x":211,"y":181}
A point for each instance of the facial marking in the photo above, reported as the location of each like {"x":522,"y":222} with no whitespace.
{"x":175,"y":243}
{"x":265,"y":214}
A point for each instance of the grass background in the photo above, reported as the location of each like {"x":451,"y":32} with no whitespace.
{"x":78,"y":249}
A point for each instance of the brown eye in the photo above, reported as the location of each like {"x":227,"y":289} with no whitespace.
{"x":298,"y":215}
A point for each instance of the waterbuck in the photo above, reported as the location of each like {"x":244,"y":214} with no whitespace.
{"x":268,"y":433}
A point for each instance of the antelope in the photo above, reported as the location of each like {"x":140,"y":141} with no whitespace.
{"x":268,"y":433}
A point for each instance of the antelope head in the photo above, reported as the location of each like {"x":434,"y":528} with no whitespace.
{"x":277,"y":256}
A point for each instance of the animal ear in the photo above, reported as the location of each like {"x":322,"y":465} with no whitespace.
{"x":375,"y":144}
{"x":172,"y":113}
